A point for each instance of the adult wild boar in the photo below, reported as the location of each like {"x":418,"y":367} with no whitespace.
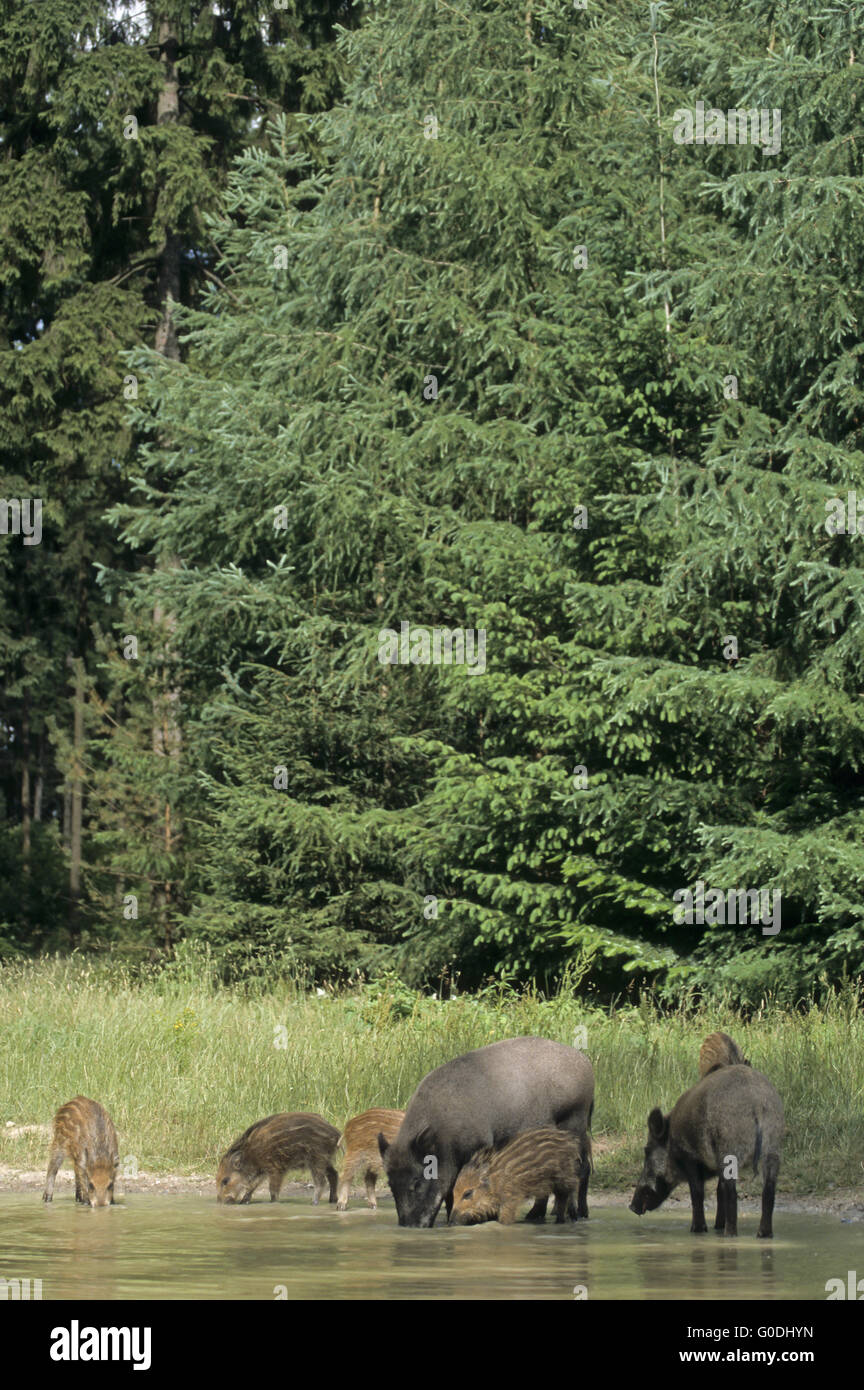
{"x":719,"y":1050}
{"x":732,"y":1118}
{"x":478,"y":1101}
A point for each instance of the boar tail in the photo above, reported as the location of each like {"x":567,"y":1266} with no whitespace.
{"x":719,"y":1050}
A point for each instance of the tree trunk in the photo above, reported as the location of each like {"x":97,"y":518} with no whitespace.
{"x":40,"y":780}
{"x":76,"y":798}
{"x":25,"y":787}
{"x":168,"y":272}
{"x":166,"y":727}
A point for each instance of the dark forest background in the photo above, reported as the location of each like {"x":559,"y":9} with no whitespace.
{"x":318,"y":318}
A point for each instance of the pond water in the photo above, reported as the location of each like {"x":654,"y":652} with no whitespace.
{"x":186,"y":1247}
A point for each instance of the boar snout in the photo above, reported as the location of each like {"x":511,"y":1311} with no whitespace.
{"x":229,"y":1188}
{"x":647,"y":1199}
{"x":100,"y":1185}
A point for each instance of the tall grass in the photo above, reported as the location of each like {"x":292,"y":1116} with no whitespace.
{"x":183,"y":1064}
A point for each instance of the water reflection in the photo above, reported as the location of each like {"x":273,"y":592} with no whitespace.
{"x":188,"y":1248}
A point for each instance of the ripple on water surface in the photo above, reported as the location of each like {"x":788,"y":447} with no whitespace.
{"x":177,"y":1247}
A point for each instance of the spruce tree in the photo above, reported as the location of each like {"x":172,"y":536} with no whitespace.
{"x":518,"y":360}
{"x":117,"y":125}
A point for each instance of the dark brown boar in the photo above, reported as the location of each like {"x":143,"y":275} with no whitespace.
{"x":537,"y":1163}
{"x":362,"y":1155}
{"x":83,"y":1133}
{"x":719,"y":1050}
{"x":270,"y":1147}
{"x":733,"y":1117}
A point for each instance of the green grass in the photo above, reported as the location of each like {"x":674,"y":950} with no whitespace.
{"x":184,"y":1065}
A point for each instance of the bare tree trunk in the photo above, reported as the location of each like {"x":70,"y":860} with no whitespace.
{"x":25,"y":787}
{"x":76,"y":797}
{"x":166,"y":727}
{"x":40,"y":780}
{"x":168,"y":274}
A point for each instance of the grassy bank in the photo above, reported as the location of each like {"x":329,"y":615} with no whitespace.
{"x":184,"y":1065}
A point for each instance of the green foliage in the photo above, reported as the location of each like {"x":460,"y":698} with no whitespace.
{"x":185,"y":1065}
{"x":299,"y":487}
{"x":100,"y":189}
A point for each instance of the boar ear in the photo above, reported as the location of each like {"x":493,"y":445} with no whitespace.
{"x":658,"y":1127}
{"x":383,"y":1146}
{"x":422,"y":1141}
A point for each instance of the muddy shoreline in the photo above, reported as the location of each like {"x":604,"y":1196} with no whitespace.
{"x":846,"y":1204}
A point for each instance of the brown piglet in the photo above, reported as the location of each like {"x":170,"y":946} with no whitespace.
{"x":83,"y":1133}
{"x":362,"y":1155}
{"x":270,"y":1147}
{"x":537,"y":1163}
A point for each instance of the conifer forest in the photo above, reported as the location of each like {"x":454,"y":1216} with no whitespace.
{"x":432,"y":491}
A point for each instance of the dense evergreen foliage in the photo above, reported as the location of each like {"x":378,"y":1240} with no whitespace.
{"x":117,"y":126}
{"x":481,"y":346}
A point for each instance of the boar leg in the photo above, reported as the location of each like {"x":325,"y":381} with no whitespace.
{"x":324,"y":1176}
{"x":80,"y":1186}
{"x":720,"y":1219}
{"x":54,"y":1161}
{"x":371,"y":1178}
{"x":319,"y":1178}
{"x":697,"y":1197}
{"x":508,"y":1211}
{"x":276,"y":1181}
{"x":766,"y":1225}
{"x":538,"y":1211}
{"x":344,"y":1190}
{"x":333,"y":1180}
{"x":585,"y":1160}
{"x":730,"y":1205}
{"x":564,"y":1205}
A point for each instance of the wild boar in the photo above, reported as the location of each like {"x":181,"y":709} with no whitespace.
{"x":732,"y":1118}
{"x":270,"y":1147}
{"x":360,"y":1141}
{"x":481,"y":1100}
{"x":719,"y":1050}
{"x":83,"y":1132}
{"x":493,"y":1185}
